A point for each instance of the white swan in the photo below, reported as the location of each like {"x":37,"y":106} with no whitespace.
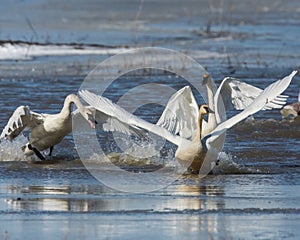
{"x":47,"y":130}
{"x":190,"y":152}
{"x":291,"y":109}
{"x":181,"y":113}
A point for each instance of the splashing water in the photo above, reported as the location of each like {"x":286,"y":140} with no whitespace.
{"x":11,"y":151}
{"x":227,"y":165}
{"x":161,"y":158}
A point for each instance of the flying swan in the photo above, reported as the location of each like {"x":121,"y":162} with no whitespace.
{"x":190,"y":152}
{"x":46,"y":130}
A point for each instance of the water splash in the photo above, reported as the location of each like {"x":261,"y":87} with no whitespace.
{"x":11,"y":151}
{"x":228,"y":165}
{"x":161,"y":158}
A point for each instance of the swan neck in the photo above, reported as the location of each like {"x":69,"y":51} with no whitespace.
{"x":199,"y":127}
{"x":212,"y":123}
{"x":210,"y":94}
{"x":72,"y":98}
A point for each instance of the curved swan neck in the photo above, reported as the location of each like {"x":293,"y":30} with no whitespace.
{"x":72,"y":98}
{"x":199,"y":127}
{"x":210,"y":95}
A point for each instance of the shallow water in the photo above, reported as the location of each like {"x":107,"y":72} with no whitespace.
{"x":253,"y":193}
{"x":66,"y":202}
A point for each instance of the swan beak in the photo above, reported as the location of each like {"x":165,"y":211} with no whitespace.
{"x":92,"y":122}
{"x":210,"y":110}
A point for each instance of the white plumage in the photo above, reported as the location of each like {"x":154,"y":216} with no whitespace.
{"x":192,"y":148}
{"x":181,"y":113}
{"x":46,"y":130}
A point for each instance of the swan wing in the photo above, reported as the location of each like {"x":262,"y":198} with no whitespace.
{"x":21,"y":118}
{"x":239,"y":95}
{"x":214,"y":141}
{"x":109,"y":123}
{"x":116,"y":115}
{"x":266,"y":98}
{"x":181,"y":114}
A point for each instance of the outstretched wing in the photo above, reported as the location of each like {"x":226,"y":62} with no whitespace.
{"x":116,"y":116}
{"x":214,"y":141}
{"x":20,"y":119}
{"x":266,"y":99}
{"x":239,"y":95}
{"x":181,"y":114}
{"x":109,"y":124}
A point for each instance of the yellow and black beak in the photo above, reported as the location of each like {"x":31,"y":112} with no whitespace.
{"x":208,"y":110}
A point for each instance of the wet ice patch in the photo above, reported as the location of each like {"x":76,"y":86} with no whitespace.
{"x":27,"y":51}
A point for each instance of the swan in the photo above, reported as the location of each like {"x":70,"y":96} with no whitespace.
{"x":46,"y":130}
{"x":190,"y":152}
{"x":291,"y":109}
{"x":181,"y":112}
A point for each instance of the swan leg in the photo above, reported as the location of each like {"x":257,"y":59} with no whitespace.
{"x":37,"y":152}
{"x":51,"y":149}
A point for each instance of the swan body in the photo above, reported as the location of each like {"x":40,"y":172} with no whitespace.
{"x":194,"y":152}
{"x":46,"y":130}
{"x":291,"y":109}
{"x":191,"y":150}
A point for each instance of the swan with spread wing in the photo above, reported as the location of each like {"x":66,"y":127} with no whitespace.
{"x":181,"y":113}
{"x":190,"y":152}
{"x":46,"y":130}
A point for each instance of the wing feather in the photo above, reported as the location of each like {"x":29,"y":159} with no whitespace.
{"x":21,"y":118}
{"x":180,"y":114}
{"x":109,"y":123}
{"x":121,"y":116}
{"x":239,"y":95}
{"x":263,"y":101}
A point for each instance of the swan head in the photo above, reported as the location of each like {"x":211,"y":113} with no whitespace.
{"x":88,"y":115}
{"x":87,"y":112}
{"x":204,"y":109}
{"x":206,"y":78}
